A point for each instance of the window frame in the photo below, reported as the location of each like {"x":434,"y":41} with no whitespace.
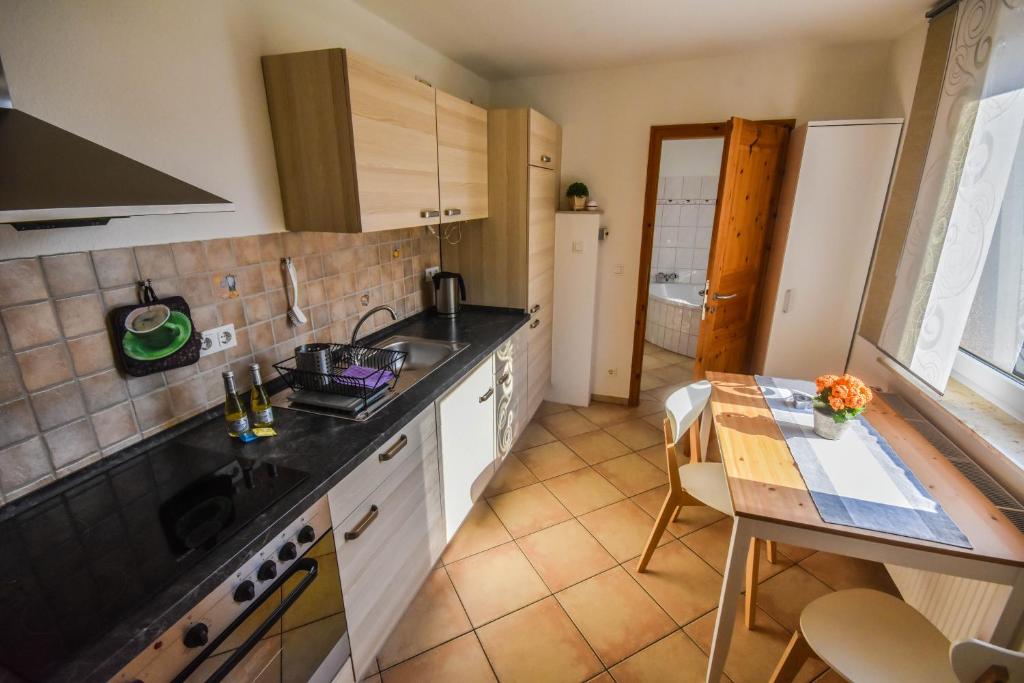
{"x":995,"y":386}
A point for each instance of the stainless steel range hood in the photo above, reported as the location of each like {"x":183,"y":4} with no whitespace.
{"x":50,"y":178}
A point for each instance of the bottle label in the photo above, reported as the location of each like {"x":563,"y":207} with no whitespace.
{"x":263,"y":417}
{"x":238,"y":426}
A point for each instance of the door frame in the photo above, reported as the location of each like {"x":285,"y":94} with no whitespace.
{"x":659,"y":134}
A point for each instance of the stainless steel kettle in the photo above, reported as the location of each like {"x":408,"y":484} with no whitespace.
{"x":449,"y":292}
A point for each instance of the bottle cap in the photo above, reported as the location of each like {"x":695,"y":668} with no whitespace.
{"x":227,"y":374}
{"x":254,"y":366}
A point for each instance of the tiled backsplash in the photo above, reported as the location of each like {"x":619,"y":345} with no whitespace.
{"x":682,"y":227}
{"x":64,"y":404}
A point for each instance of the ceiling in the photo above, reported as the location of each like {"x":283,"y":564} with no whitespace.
{"x":501,"y":39}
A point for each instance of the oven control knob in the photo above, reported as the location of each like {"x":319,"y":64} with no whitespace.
{"x":245,"y":592}
{"x":197,"y":635}
{"x":287,"y":553}
{"x":307,"y":534}
{"x":267,"y":571}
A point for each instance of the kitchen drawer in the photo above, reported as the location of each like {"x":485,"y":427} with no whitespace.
{"x":545,"y":141}
{"x":383,"y":567}
{"x":352,"y":490}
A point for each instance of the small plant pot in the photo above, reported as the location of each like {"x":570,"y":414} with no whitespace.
{"x":578,"y":203}
{"x":826,"y":427}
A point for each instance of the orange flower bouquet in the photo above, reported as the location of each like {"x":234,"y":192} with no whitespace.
{"x":839,"y":399}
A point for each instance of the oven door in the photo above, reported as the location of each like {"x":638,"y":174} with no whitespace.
{"x":294,"y":632}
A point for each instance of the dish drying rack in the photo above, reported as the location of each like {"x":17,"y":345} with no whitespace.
{"x":385,"y":366}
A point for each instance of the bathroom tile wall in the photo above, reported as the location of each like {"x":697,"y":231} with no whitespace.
{"x":682,"y":227}
{"x":63,"y":402}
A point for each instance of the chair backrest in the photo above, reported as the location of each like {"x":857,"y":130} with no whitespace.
{"x":685,"y":405}
{"x":975,"y":661}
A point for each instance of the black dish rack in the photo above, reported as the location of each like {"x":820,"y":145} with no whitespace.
{"x":343,"y":357}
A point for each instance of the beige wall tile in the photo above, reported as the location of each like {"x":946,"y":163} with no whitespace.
{"x":58,"y":405}
{"x":24,"y":464}
{"x":69,"y":273}
{"x":188,"y":397}
{"x":81,"y":314}
{"x":44,"y":366}
{"x":31,"y":325}
{"x":10,"y":384}
{"x":16,"y":421}
{"x":21,"y":281}
{"x":153,"y":409}
{"x":232,"y":311}
{"x":70,"y":443}
{"x":115,"y":267}
{"x":114,"y":424}
{"x":189,"y":257}
{"x":247,"y":250}
{"x":91,"y":354}
{"x":155,"y":261}
{"x":219,"y":254}
{"x":257,"y":308}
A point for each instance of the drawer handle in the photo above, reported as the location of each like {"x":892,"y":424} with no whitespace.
{"x":545,"y":158}
{"x":429,"y":213}
{"x":487,"y":394}
{"x":393,"y":450}
{"x":453,"y":212}
{"x":364,"y":523}
{"x":534,"y":324}
{"x":504,"y":378}
{"x":534,"y":308}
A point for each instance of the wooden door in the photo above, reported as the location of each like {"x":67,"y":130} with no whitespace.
{"x":461,"y":158}
{"x":394,"y":136}
{"x":748,"y":191}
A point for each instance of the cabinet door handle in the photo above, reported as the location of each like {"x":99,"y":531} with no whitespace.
{"x":429,"y":213}
{"x":504,"y":378}
{"x":453,"y":212}
{"x":487,"y":394}
{"x":534,"y":324}
{"x":393,"y":450}
{"x":364,"y":523}
{"x":723,"y":297}
{"x":545,"y":158}
{"x":534,"y":308}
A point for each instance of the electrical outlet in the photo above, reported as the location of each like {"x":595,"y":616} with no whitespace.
{"x":218,"y":339}
{"x":429,"y":273}
{"x":612,"y":372}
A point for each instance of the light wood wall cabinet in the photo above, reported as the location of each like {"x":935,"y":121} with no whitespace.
{"x":508,"y":260}
{"x":362,"y":148}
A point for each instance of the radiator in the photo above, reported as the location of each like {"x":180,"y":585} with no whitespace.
{"x":960,"y":608}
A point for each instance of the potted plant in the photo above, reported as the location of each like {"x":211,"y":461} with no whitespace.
{"x":839,"y":400}
{"x":577,"y":194}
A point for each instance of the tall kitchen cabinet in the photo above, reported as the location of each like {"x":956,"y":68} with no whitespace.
{"x":508,"y":260}
{"x":830,"y":208}
{"x":362,"y":148}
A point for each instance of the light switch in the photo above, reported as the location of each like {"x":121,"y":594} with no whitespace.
{"x":577,"y":245}
{"x":619,"y":269}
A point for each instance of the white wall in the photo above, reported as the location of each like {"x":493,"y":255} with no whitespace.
{"x":177,"y":84}
{"x":606,"y":117}
{"x":691,"y":157}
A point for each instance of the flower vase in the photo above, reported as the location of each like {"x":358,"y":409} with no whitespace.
{"x":825,"y":425}
{"x":578,"y":203}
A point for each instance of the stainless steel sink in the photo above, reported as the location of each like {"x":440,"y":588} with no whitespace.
{"x":423,"y":355}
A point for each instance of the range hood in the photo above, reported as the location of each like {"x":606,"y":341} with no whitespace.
{"x":50,"y":178}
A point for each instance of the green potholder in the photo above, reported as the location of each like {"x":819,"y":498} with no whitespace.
{"x":135,"y":348}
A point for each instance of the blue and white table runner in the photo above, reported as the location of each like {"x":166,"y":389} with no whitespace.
{"x":857,"y":480}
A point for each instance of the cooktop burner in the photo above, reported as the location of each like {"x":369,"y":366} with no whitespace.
{"x":76,"y":563}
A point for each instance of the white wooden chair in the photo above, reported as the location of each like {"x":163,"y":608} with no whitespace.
{"x":867,"y":635}
{"x":697,"y":482}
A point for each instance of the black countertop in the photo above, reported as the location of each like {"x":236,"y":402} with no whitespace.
{"x":324,"y":447}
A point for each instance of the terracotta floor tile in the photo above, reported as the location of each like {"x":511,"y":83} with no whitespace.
{"x":653,"y":362}
{"x":623,"y":529}
{"x":538,"y":644}
{"x":534,"y":434}
{"x":830,"y":676}
{"x":375,"y":678}
{"x":551,"y":408}
{"x":839,"y":572}
{"x":676,"y":373}
{"x":682,"y":583}
{"x":712,"y":544}
{"x":673,"y":659}
{"x":569,"y":423}
{"x":495,"y":582}
{"x":785,"y":595}
{"x":615,"y":615}
{"x":528,"y":509}
{"x":565,"y":554}
{"x":604,"y":414}
{"x":512,"y":474}
{"x":550,"y":460}
{"x":481,"y":530}
{"x":691,"y":518}
{"x":636,"y":434}
{"x":753,"y":653}
{"x":583,"y":490}
{"x":652,"y":379}
{"x":631,"y":474}
{"x":661,"y":393}
{"x":655,"y":420}
{"x":457,"y":660}
{"x":656,"y":454}
{"x":596,"y":446}
{"x":795,"y":553}
{"x":435,"y":616}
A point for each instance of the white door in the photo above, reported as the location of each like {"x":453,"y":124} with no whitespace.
{"x":466,"y":424}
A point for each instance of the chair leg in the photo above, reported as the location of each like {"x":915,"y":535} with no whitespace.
{"x":793,"y":658}
{"x":750,"y":599}
{"x":675,"y":513}
{"x":668,"y":509}
{"x":771,"y":552}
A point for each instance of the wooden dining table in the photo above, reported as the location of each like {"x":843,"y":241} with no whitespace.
{"x":771,"y":502}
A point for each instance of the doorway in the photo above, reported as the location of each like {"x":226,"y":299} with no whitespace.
{"x":698,"y":290}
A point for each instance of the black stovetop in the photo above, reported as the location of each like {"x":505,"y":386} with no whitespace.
{"x":78,"y":562}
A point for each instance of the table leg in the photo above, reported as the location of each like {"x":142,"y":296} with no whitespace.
{"x":1009,"y":624}
{"x":732,"y":584}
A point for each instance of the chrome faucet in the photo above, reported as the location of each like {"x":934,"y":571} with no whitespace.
{"x":363,"y":318}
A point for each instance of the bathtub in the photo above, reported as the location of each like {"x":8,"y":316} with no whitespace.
{"x":673,"y":316}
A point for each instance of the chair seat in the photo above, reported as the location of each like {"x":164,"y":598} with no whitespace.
{"x":866,"y":635}
{"x":706,"y":482}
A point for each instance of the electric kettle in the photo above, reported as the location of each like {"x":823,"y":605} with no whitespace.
{"x":447,"y":298}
